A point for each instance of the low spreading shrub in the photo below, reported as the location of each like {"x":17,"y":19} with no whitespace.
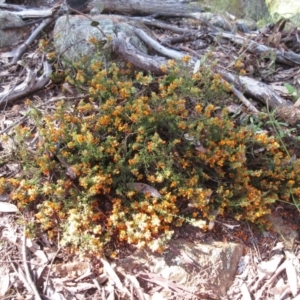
{"x":124,"y":163}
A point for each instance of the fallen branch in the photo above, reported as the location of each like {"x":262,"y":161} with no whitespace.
{"x":27,"y":272}
{"x":145,"y":7}
{"x":37,"y":13}
{"x":128,"y":52}
{"x":31,"y":84}
{"x":286,"y":57}
{"x":11,"y":6}
{"x":235,"y":91}
{"x":19,"y":272}
{"x":157,"y":46}
{"x":21,"y":49}
{"x":243,"y":84}
{"x":255,"y":89}
{"x":114,"y":277}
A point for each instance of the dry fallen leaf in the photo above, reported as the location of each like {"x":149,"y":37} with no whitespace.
{"x":291,"y":276}
{"x":4,"y":282}
{"x":279,"y":289}
{"x":35,"y":248}
{"x":137,"y":287}
{"x":279,"y":246}
{"x":114,"y":277}
{"x":53,"y":295}
{"x":269,"y":267}
{"x":79,"y":287}
{"x":245,"y":292}
{"x":68,"y":88}
{"x":211,"y":224}
{"x":144,"y":188}
{"x":8,"y":207}
{"x":231,"y":227}
{"x":71,"y":270}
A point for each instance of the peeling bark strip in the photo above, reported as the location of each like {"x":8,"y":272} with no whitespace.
{"x":149,"y":7}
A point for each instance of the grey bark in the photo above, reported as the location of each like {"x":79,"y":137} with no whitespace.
{"x":148,"y":7}
{"x":286,"y":57}
{"x":31,"y":84}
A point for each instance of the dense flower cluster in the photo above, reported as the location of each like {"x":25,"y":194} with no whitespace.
{"x":166,"y":132}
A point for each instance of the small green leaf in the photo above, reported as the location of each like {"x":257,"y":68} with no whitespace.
{"x":95,"y":23}
{"x":169,"y":79}
{"x":290,"y":88}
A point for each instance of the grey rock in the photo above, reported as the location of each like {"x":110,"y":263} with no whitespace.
{"x":216,"y":262}
{"x":72,"y":34}
{"x":12,"y":29}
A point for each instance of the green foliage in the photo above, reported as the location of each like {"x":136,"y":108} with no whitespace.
{"x":231,"y":6}
{"x":292,"y":91}
{"x":134,"y":128}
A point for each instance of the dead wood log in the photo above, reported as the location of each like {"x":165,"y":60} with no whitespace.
{"x":287,"y":57}
{"x":128,"y":52}
{"x":246,"y":85}
{"x":31,"y":84}
{"x":250,"y":86}
{"x":11,"y":6}
{"x":255,"y":89}
{"x":149,"y":7}
{"x":25,"y":13}
{"x":21,"y":49}
{"x":36,"y":13}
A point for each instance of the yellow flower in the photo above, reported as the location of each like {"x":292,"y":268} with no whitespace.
{"x":198,"y":108}
{"x":173,"y":184}
{"x":186,"y":58}
{"x":159,"y":178}
{"x":104,"y":120}
{"x":130,"y":194}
